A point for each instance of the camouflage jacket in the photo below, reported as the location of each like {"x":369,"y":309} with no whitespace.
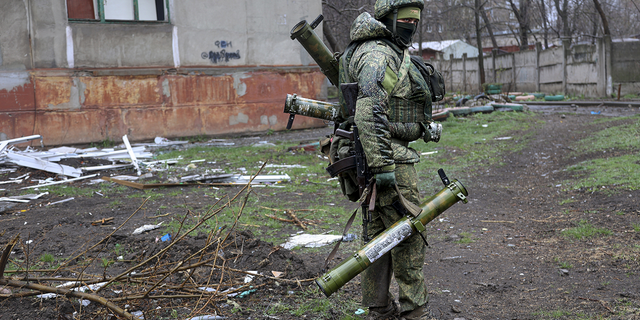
{"x":393,"y":98}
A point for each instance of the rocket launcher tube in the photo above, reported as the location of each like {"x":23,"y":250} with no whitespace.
{"x":333,"y":280}
{"x":311,"y":108}
{"x":303,"y":32}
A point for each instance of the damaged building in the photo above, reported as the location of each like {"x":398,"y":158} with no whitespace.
{"x":82,"y":71}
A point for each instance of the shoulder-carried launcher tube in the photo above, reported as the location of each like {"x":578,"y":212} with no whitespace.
{"x":311,"y":108}
{"x":303,"y":32}
{"x":333,"y":280}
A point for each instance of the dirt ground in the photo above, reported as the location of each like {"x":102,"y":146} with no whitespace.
{"x":518,"y":265}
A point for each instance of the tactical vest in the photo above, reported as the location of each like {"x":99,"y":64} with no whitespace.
{"x":409,"y":100}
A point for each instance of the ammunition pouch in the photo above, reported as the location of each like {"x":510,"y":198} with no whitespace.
{"x":433,"y":77}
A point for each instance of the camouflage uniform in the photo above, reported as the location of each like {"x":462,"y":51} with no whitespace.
{"x":393,"y":101}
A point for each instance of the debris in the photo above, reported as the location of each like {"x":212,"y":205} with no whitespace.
{"x":248,"y":278}
{"x":349,"y":237}
{"x":61,"y":201}
{"x":277,"y":274}
{"x":310,"y":241}
{"x":59,"y":182}
{"x":102,"y":221}
{"x":106,"y":167}
{"x":166,"y":237}
{"x":428,"y":153}
{"x":146,"y":227}
{"x":5,"y":143}
{"x":503,"y":138}
{"x":207,"y":317}
{"x":14,"y":181}
{"x":134,"y":160}
{"x":306,"y":147}
{"x":37,"y":163}
{"x":359,"y":312}
{"x":594,"y":112}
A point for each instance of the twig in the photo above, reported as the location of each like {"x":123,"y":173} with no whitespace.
{"x":498,"y":221}
{"x":6,"y":253}
{"x":67,"y":292}
{"x":297,"y":221}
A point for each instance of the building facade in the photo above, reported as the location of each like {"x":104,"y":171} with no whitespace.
{"x":80,"y":71}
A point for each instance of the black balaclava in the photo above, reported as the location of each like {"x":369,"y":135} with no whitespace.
{"x":402,"y":31}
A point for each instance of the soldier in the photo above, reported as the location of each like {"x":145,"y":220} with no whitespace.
{"x":393,"y":108}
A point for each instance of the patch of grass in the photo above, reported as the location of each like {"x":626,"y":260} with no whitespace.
{"x":47,"y":258}
{"x":465,"y":238}
{"x":106,"y":262}
{"x":563,"y":264}
{"x":585,"y":230}
{"x":622,"y":137}
{"x":554,"y":314}
{"x":565,"y":201}
{"x":636,"y":227}
{"x":465,"y":143}
{"x":617,"y":172}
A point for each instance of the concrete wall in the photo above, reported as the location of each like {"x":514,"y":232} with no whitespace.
{"x":216,"y":68}
{"x":579,"y":70}
{"x":627,"y":67}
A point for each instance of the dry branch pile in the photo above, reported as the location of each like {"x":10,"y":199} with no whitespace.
{"x":200,"y":271}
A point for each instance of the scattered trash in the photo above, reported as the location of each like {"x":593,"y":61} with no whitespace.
{"x":503,"y":138}
{"x":138,"y":314}
{"x":246,"y":293}
{"x":428,"y":153}
{"x":276,"y":274}
{"x":359,"y":312}
{"x":59,"y":182}
{"x":594,"y":112}
{"x":166,"y":237}
{"x":349,"y":237}
{"x":146,"y":227}
{"x":310,"y":241}
{"x":61,"y":201}
{"x":248,"y":278}
{"x":207,"y":317}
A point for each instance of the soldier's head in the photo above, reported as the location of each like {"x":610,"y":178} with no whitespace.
{"x":400,"y":17}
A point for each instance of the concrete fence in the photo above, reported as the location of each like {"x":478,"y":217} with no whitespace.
{"x":580,"y":70}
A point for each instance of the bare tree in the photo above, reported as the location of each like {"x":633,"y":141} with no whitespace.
{"x":522,"y":15}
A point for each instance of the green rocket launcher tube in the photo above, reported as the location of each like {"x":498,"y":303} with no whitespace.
{"x":303,"y":32}
{"x":333,"y":280}
{"x":311,"y":108}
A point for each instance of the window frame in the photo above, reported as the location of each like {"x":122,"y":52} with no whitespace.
{"x":99,"y":7}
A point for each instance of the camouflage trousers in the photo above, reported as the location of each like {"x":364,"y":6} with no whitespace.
{"x":405,"y":261}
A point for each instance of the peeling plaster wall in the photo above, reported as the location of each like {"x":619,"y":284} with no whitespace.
{"x":218,"y":68}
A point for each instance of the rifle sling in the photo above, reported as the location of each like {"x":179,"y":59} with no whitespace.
{"x":341,"y":166}
{"x":362,"y":200}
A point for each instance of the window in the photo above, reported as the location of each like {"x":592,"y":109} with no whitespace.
{"x":117,"y":10}
{"x":428,"y":12}
{"x":440,"y":28}
{"x":429,"y":28}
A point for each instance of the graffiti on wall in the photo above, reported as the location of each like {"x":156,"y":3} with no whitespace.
{"x":223,"y":55}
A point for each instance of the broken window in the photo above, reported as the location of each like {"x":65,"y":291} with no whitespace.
{"x":117,"y":10}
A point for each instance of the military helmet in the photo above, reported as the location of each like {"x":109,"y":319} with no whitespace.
{"x":384,"y":7}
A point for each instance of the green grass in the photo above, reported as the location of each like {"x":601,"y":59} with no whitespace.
{"x":618,"y":172}
{"x":621,"y":137}
{"x":617,"y":166}
{"x":636,"y":227}
{"x":47,"y":258}
{"x":465,"y":238}
{"x":466,"y":146}
{"x":565,"y":201}
{"x":563,"y":264}
{"x":585,"y":230}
